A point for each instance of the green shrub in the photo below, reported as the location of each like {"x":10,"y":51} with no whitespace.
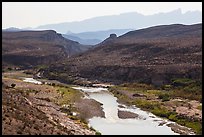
{"x":185,"y":121}
{"x":164,"y":97}
{"x":196,"y":126}
{"x":98,"y":133}
{"x":183,"y":81}
{"x":173,"y":117}
{"x":199,"y":107}
{"x":162,"y":112}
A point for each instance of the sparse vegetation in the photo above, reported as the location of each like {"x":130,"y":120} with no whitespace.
{"x":155,"y":100}
{"x":26,"y":110}
{"x":200,"y":107}
{"x":170,"y":67}
{"x":164,"y":97}
{"x":97,"y":132}
{"x":67,"y":95}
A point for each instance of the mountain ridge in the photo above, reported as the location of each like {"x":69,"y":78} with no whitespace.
{"x":31,"y":48}
{"x":124,"y":21}
{"x":154,"y":60}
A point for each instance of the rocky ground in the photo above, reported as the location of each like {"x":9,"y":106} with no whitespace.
{"x":186,"y":107}
{"x":22,"y":115}
{"x":32,"y":109}
{"x":184,"y":112}
{"x":89,"y":108}
{"x":126,"y":114}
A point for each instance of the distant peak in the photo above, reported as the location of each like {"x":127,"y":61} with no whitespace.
{"x":176,"y":11}
{"x":12,"y":29}
{"x":69,"y":32}
{"x":113,"y":36}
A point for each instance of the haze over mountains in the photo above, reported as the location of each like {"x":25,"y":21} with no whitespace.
{"x":132,"y":20}
{"x":82,"y":41}
{"x":12,"y":29}
{"x":153,"y":55}
{"x":94,"y":30}
{"x":101,"y":35}
{"x":94,"y":37}
{"x":159,"y":52}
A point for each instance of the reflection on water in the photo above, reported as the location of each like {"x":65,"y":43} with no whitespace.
{"x":146,"y":124}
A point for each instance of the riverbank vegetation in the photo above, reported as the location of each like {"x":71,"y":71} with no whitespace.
{"x":179,"y":101}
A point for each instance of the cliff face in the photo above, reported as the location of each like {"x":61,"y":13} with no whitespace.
{"x":152,"y":55}
{"x":31,"y":48}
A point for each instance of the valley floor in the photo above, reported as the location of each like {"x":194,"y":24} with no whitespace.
{"x":56,"y":108}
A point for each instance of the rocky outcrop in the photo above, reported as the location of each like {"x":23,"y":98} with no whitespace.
{"x":113,"y":36}
{"x":126,"y":114}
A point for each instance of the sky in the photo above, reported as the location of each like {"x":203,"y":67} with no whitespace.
{"x":33,"y":14}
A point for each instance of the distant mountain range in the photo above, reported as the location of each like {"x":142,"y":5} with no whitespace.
{"x":154,"y":55}
{"x":94,"y":37}
{"x":94,"y":30}
{"x":101,"y":35}
{"x":132,"y":20}
{"x":12,"y":29}
{"x":82,"y":41}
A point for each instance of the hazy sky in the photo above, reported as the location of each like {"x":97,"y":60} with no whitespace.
{"x":33,"y":14}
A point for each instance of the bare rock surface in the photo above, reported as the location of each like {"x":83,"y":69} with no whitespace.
{"x":126,"y":114}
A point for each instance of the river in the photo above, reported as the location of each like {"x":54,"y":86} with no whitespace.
{"x":145,"y":124}
{"x":31,"y":80}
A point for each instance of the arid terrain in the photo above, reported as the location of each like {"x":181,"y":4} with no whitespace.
{"x":29,"y":108}
{"x":153,"y":55}
{"x":157,"y":69}
{"x":28,"y":49}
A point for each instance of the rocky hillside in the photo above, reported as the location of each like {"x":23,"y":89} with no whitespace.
{"x":23,"y":113}
{"x":31,"y":48}
{"x":153,"y":55}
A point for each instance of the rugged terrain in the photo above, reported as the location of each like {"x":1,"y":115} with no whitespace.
{"x":168,"y":57}
{"x":154,"y":55}
{"x":180,"y":102}
{"x":46,"y":109}
{"x":26,"y":49}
